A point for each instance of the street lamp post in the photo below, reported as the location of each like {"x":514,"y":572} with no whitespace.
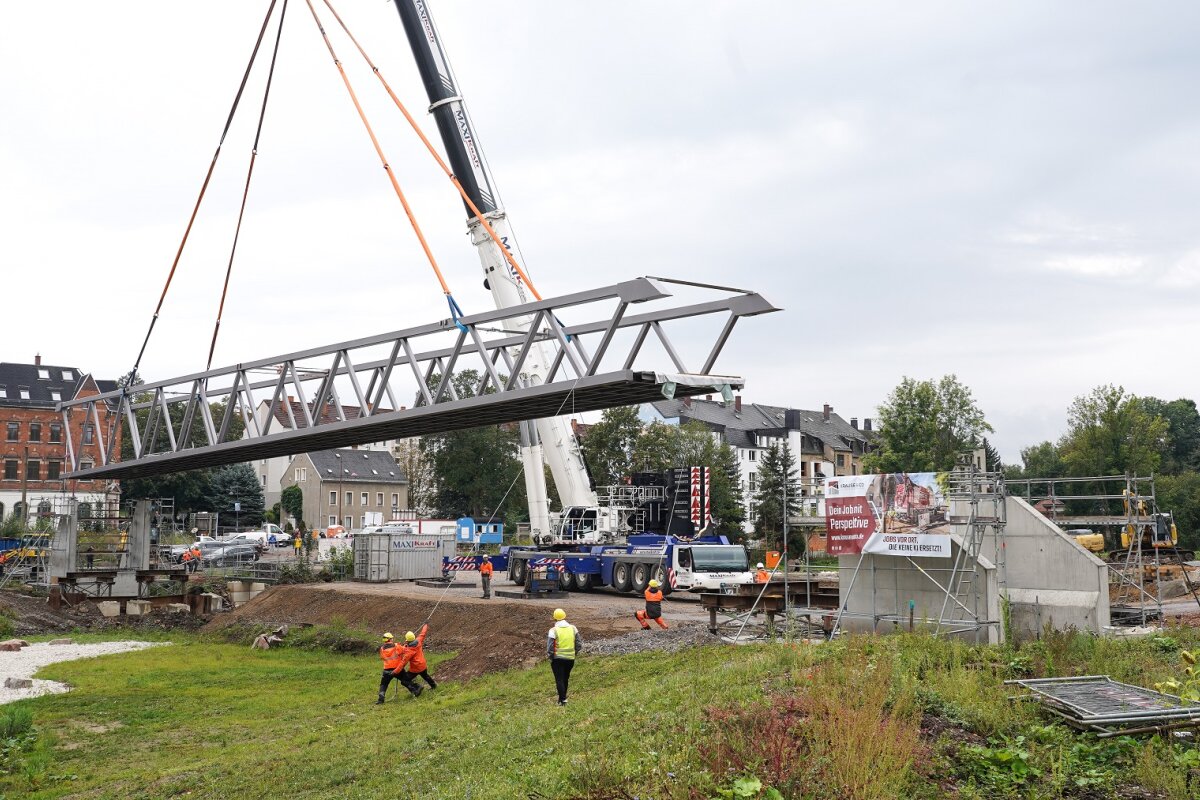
{"x":338,"y":456}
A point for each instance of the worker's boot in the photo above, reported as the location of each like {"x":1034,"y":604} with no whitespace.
{"x":416,"y":690}
{"x":379,"y":702}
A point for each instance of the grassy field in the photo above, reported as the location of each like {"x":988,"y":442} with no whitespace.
{"x":901,"y":716}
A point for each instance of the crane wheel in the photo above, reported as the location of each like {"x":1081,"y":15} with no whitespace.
{"x":565,"y":581}
{"x":583,"y":583}
{"x":641,"y":577}
{"x":621,"y":577}
{"x":660,"y":575}
{"x":517,"y":571}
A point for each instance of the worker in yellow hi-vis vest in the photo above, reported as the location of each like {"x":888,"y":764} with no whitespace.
{"x":562,"y":646}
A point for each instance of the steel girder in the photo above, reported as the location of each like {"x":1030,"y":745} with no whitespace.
{"x":171,"y":426}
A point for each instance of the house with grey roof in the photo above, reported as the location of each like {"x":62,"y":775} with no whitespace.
{"x":349,"y":487}
{"x":824,"y":443}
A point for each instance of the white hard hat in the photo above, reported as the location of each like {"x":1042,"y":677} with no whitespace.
{"x":760,"y":566}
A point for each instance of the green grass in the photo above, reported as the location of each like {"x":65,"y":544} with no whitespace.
{"x":207,"y":719}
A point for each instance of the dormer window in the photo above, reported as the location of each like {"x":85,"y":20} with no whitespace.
{"x":3,"y":392}
{"x":55,"y":395}
{"x":68,"y":375}
{"x":24,"y":393}
{"x":43,"y":374}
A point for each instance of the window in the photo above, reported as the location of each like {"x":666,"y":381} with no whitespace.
{"x":332,"y":520}
{"x":363,"y":497}
{"x":754,"y":455}
{"x":24,"y":392}
{"x":55,"y":433}
{"x":85,"y":465}
{"x":301,"y":474}
{"x":363,"y":522}
{"x":332,"y":500}
{"x":55,"y":395}
{"x":33,"y":470}
{"x":35,"y":431}
{"x":11,"y":467}
{"x":379,"y":498}
{"x":53,"y":470}
{"x":349,"y":498}
{"x":348,"y":522}
{"x":3,"y":392}
{"x":395,"y":500}
{"x":68,"y":375}
{"x":264,"y":480}
{"x":14,"y":431}
{"x":89,"y":434}
{"x":753,"y":481}
{"x":43,"y":374}
{"x":841,"y":460}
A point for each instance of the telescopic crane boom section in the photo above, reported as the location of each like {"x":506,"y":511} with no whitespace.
{"x":550,"y":440}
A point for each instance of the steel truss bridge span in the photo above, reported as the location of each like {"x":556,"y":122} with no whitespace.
{"x":346,"y":394}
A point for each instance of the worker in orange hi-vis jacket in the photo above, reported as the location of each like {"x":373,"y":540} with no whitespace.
{"x":654,"y":597}
{"x":485,"y":576}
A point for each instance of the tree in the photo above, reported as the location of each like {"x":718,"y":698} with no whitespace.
{"x":609,"y":445}
{"x":476,"y":471}
{"x":655,"y":448}
{"x":776,"y":471}
{"x":1110,"y":432}
{"x":191,"y":489}
{"x":237,"y":483}
{"x":991,"y":457}
{"x":413,"y":462}
{"x":1038,"y":461}
{"x":291,"y":502}
{"x":1180,"y":494}
{"x":1182,"y":450}
{"x":924,"y":425}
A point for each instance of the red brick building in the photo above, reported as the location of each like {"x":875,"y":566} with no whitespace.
{"x":33,"y":440}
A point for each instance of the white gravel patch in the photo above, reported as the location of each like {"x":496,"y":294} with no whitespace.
{"x":28,"y":660}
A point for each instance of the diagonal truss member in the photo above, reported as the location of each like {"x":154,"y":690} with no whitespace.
{"x":346,"y":394}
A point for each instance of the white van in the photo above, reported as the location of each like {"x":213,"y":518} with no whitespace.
{"x":389,"y":528}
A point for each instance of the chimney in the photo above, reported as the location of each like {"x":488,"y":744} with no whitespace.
{"x":291,"y":399}
{"x":37,"y":360}
{"x":867,"y":424}
{"x":737,"y":403}
{"x":854,"y":423}
{"x":828,"y":408}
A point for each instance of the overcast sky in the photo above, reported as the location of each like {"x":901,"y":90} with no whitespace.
{"x":1007,"y":191}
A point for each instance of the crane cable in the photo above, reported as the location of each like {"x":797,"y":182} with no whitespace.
{"x":203,"y":188}
{"x":508,"y":256}
{"x":246,"y":191}
{"x":455,"y":311}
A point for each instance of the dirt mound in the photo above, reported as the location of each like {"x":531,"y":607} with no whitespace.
{"x":488,"y":636}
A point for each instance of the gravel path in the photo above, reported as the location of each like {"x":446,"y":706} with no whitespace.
{"x":28,"y":660}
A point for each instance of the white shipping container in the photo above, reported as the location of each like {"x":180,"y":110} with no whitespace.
{"x":419,"y":555}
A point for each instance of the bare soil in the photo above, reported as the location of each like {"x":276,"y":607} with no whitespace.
{"x":488,"y":635}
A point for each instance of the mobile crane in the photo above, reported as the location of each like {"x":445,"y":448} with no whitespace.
{"x":583,"y":523}
{"x":548,"y":440}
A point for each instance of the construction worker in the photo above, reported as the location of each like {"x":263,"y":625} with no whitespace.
{"x":563,"y":644}
{"x":485,"y":576}
{"x":186,"y":560}
{"x":654,"y":597}
{"x":298,"y":542}
{"x":760,"y":574}
{"x":395,"y":656}
{"x":197,"y":557}
{"x":416,"y":666}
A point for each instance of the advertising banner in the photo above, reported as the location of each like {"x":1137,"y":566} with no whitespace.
{"x":897,"y":514}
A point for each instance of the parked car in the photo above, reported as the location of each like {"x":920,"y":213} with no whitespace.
{"x":232,"y":554}
{"x":282,"y":540}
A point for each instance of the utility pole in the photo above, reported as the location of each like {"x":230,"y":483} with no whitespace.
{"x":787,"y":616}
{"x":338,"y":456}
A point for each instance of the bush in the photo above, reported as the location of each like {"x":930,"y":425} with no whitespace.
{"x":15,"y":720}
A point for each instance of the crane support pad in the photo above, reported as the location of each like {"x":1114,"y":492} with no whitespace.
{"x":522,"y":363}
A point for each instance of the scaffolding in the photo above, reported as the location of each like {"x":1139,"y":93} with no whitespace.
{"x":1140,"y":539}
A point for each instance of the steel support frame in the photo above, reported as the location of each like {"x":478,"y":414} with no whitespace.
{"x":164,"y":442}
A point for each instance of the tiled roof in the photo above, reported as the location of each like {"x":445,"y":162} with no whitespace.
{"x":756,"y":418}
{"x":373,"y":466}
{"x":328,"y":413}
{"x":40,"y":382}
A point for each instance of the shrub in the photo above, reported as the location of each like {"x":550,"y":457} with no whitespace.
{"x":15,"y":720}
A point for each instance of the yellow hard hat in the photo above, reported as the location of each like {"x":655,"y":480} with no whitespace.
{"x":560,"y":614}
{"x":387,"y":636}
{"x":653,"y":584}
{"x":410,"y":636}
